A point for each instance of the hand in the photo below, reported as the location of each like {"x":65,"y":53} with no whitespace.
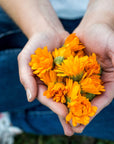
{"x":96,"y":32}
{"x":41,"y":25}
{"x":33,"y":85}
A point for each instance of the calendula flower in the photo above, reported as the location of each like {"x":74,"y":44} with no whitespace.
{"x":72,"y":42}
{"x":92,"y":66}
{"x":72,"y":78}
{"x":63,"y":52}
{"x":73,"y":89}
{"x":49,"y":77}
{"x":80,"y":53}
{"x":57,"y":91}
{"x":72,"y":67}
{"x":80,"y":111}
{"x":41,"y":61}
{"x":92,"y":84}
{"x":60,"y":54}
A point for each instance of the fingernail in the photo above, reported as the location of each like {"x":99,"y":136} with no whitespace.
{"x":28,"y":93}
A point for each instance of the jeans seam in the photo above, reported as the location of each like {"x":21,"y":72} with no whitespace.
{"x":19,"y":107}
{"x":34,"y":113}
{"x":9,"y":33}
{"x":10,"y":51}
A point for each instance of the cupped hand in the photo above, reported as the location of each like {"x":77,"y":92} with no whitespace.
{"x":96,"y":32}
{"x":33,"y":86}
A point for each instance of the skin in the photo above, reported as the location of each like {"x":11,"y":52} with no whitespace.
{"x":40,"y":24}
{"x":96,"y":32}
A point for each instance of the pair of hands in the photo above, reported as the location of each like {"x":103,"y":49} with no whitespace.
{"x":96,"y":32}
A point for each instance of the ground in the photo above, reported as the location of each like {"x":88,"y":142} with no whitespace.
{"x":34,"y":139}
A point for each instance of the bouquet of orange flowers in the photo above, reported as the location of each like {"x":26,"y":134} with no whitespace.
{"x":71,"y":76}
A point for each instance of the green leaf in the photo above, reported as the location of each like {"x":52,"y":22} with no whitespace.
{"x":68,"y":100}
{"x":90,"y":96}
{"x":77,"y":77}
{"x":58,"y":60}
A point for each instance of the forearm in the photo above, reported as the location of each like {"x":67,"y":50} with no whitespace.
{"x":98,"y":12}
{"x":101,"y":10}
{"x":32,"y":15}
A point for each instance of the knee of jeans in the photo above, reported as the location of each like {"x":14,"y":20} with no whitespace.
{"x":39,"y":122}
{"x":12,"y":93}
{"x":10,"y":34}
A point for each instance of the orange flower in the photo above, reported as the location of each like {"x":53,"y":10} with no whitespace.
{"x":49,"y":77}
{"x":73,"y":89}
{"x":80,"y":111}
{"x":41,"y":61}
{"x":63,"y":52}
{"x":57,"y":91}
{"x":80,"y":53}
{"x":72,"y":42}
{"x":92,"y":66}
{"x":92,"y":84}
{"x":72,"y":67}
{"x":60,"y":54}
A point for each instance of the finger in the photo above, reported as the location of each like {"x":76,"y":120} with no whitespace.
{"x":105,"y":99}
{"x":101,"y":102}
{"x":64,"y":36}
{"x":77,"y":128}
{"x":66,"y":126}
{"x":59,"y":108}
{"x":26,"y":77}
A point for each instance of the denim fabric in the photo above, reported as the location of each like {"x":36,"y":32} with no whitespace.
{"x":12,"y":93}
{"x":41,"y":120}
{"x":10,"y":35}
{"x":34,"y":117}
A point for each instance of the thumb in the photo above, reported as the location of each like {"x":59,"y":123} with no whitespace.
{"x":26,"y":77}
{"x":63,"y":37}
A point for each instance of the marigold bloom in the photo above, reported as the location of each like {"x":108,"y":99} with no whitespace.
{"x":72,"y":42}
{"x":63,"y":52}
{"x":92,"y":66}
{"x":60,"y":54}
{"x":57,"y":91}
{"x":41,"y":61}
{"x":49,"y":77}
{"x":72,"y":67}
{"x":92,"y":84}
{"x":80,"y":111}
{"x":80,"y":53}
{"x":73,"y":89}
{"x":71,"y":78}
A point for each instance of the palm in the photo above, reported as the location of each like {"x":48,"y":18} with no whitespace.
{"x":35,"y":85}
{"x":50,"y":40}
{"x":98,"y":39}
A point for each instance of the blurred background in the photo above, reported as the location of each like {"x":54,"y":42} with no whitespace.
{"x":10,"y":134}
{"x":34,"y":139}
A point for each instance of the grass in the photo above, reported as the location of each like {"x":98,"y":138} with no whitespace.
{"x":34,"y":139}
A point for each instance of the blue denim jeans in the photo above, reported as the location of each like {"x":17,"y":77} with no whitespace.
{"x":34,"y":117}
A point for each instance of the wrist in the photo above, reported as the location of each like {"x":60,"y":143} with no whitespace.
{"x":99,"y":12}
{"x":48,"y":37}
{"x":42,"y":26}
{"x":32,"y":16}
{"x":101,"y":6}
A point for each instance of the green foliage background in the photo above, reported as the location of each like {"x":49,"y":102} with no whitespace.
{"x":34,"y":139}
